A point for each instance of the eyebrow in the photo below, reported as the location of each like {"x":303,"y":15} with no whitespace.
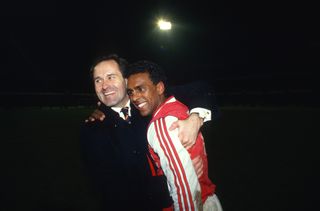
{"x":139,"y":87}
{"x":110,"y":74}
{"x":97,"y":77}
{"x":134,"y":88}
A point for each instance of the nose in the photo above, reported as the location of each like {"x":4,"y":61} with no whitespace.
{"x":134,"y":96}
{"x":105,"y":84}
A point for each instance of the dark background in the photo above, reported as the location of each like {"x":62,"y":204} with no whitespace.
{"x":260,"y":158}
{"x":261,"y":59}
{"x":246,"y":49}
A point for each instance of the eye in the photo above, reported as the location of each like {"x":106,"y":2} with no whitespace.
{"x":111,"y":77}
{"x":130,"y":92}
{"x":141,"y":89}
{"x":98,"y":80}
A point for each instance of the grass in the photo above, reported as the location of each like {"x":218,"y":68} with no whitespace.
{"x":261,"y":158}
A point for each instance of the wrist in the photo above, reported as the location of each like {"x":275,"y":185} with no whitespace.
{"x":203,"y":113}
{"x":196,"y":117}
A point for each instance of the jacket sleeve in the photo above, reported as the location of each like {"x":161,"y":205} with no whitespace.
{"x":100,"y":165}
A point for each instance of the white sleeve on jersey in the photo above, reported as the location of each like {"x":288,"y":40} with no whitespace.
{"x":176,"y":164}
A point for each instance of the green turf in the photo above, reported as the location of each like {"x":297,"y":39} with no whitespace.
{"x":261,"y":158}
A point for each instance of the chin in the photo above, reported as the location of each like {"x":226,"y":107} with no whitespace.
{"x":110,"y":103}
{"x":144,"y":113}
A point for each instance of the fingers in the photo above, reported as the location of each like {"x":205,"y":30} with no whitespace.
{"x":186,"y":143}
{"x":198,"y":165}
{"x":97,"y":114}
{"x":183,"y":139}
{"x":187,"y":146}
{"x":90,"y":119}
{"x":174,"y":125}
{"x":199,"y":173}
{"x":196,"y":160}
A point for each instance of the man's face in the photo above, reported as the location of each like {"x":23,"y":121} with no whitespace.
{"x":109,"y":84}
{"x":144,"y":95}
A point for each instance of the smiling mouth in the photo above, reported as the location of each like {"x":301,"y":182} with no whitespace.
{"x":108,"y":93}
{"x":141,"y":105}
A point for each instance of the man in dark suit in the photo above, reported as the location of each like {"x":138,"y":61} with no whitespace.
{"x":115,"y":150}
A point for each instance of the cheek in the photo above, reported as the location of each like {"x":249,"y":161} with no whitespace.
{"x":151,"y":101}
{"x":121,"y":86}
{"x":96,"y":87}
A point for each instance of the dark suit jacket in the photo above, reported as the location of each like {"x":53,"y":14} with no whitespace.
{"x":115,"y":156}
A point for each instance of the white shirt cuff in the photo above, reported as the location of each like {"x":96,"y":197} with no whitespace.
{"x":205,"y":114}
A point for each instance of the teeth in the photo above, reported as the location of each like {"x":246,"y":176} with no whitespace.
{"x":142,"y":104}
{"x":108,"y":93}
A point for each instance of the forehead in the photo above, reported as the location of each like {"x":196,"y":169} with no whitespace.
{"x":107,"y":67}
{"x":139,"y":79}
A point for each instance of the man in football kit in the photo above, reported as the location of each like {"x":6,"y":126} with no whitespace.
{"x":115,"y":150}
{"x":147,"y":91}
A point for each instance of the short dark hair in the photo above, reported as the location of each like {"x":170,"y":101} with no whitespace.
{"x":120,"y":61}
{"x":156,"y":73}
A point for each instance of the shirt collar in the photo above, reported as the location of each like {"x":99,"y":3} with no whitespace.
{"x":118,"y":109}
{"x":168,"y":100}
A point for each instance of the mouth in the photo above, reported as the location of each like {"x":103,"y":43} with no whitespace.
{"x":140,"y":105}
{"x":109,"y":93}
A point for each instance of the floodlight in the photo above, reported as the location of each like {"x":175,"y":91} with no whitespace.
{"x":164,"y":25}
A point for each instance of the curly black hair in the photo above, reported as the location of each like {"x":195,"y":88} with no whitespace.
{"x":156,"y":73}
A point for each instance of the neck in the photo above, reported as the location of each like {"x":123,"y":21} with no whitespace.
{"x":123,"y":102}
{"x":162,"y":99}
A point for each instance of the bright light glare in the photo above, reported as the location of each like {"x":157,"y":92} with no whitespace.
{"x":164,"y":25}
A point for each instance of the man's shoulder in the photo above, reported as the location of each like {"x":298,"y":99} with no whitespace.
{"x":173,"y":108}
{"x":179,"y":105}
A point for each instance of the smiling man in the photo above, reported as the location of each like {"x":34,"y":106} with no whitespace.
{"x":109,"y":83}
{"x":115,"y":150}
{"x":147,"y":91}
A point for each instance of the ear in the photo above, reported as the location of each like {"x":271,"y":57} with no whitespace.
{"x":160,"y":88}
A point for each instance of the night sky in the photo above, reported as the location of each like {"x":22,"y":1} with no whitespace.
{"x":236,"y":46}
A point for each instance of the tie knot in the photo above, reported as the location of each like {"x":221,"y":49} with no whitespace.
{"x":125,"y":111}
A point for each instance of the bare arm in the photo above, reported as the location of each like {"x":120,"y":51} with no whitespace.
{"x":188,"y":129}
{"x":197,"y":96}
{"x":188,"y":132}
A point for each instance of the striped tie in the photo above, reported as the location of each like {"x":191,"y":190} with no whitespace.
{"x":125,"y":110}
